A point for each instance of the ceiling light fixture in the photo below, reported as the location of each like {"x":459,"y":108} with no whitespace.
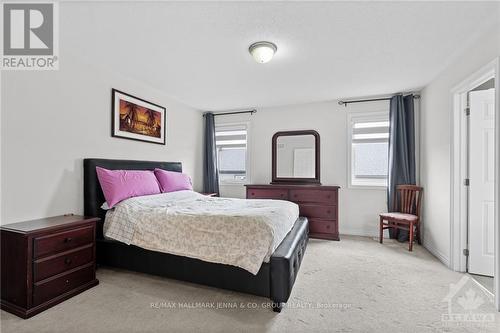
{"x":262,"y":52}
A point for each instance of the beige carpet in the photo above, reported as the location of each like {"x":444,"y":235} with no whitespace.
{"x":355,"y":285}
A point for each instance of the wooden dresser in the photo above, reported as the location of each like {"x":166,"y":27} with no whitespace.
{"x":318,"y":203}
{"x":45,"y":262}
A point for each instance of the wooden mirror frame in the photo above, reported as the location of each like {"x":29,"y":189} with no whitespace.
{"x":291,"y":180}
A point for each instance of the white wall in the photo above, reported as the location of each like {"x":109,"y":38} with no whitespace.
{"x":52,"y":120}
{"x":358,"y":208}
{"x":436,"y":139}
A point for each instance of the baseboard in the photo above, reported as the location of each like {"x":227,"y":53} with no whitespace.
{"x":441,"y":257}
{"x":367,"y":233}
{"x":358,"y":232}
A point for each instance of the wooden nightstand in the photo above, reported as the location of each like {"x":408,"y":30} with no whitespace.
{"x":45,"y":262}
{"x":209,"y":194}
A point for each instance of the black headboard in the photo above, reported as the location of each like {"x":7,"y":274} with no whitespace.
{"x":93,"y":197}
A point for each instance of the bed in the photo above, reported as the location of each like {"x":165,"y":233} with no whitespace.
{"x":274,"y":279}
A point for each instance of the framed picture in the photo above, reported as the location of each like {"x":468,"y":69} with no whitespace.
{"x":136,"y":119}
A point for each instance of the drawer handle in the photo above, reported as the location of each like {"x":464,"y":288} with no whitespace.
{"x":68,"y":239}
{"x":67,"y":281}
{"x":328,"y":227}
{"x":67,"y":261}
{"x":328,"y":211}
{"x":252,"y":193}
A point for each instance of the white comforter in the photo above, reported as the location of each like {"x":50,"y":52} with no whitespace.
{"x":236,"y":232}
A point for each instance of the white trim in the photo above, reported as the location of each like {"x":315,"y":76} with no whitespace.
{"x":458,"y":168}
{"x":458,"y":209}
{"x":496,"y":279}
{"x":436,"y":253}
{"x":375,"y":115}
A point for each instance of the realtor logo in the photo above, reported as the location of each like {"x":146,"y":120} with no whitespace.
{"x":29,"y":36}
{"x":469,"y":304}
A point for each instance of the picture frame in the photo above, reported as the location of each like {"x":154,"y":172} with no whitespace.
{"x":134,"y":118}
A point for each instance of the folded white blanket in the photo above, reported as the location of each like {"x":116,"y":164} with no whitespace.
{"x":238,"y":232}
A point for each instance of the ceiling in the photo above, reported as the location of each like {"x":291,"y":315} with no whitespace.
{"x":197,"y":52}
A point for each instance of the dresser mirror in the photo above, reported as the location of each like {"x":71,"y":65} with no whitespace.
{"x":295,"y":157}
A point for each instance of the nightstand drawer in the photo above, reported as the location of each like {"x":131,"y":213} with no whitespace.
{"x":44,"y":291}
{"x":62,"y":241}
{"x":44,"y":268}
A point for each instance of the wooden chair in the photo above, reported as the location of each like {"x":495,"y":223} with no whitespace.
{"x":407,"y":216}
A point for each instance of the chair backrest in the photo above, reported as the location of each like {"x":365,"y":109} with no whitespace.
{"x":410,"y":199}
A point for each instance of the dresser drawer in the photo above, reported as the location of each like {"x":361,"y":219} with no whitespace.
{"x":47,"y":290}
{"x":62,"y":241}
{"x":267,"y":194}
{"x":322,"y":226}
{"x":319,"y":211}
{"x":316,"y":196}
{"x":59,"y":263}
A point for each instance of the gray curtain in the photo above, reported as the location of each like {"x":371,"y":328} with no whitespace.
{"x":401,"y":151}
{"x":210,"y":171}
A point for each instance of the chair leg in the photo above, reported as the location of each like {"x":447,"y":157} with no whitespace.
{"x":381,"y":232}
{"x":419,"y":241}
{"x":410,"y":246}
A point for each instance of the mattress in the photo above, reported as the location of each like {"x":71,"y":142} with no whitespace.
{"x":238,"y":232}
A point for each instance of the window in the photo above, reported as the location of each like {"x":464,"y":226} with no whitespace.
{"x":231,"y":142}
{"x":368,"y":151}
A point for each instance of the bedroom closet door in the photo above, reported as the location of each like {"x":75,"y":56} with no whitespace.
{"x":482,"y":182}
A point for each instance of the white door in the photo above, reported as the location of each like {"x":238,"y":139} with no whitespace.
{"x":482,"y":181}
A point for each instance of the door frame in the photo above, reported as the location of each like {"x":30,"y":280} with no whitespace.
{"x":459,"y":170}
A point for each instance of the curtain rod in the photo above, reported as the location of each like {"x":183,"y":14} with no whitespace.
{"x":234,"y":112}
{"x":370,"y":100}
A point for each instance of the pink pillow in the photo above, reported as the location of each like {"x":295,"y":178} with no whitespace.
{"x":173,"y":181}
{"x":118,"y":185}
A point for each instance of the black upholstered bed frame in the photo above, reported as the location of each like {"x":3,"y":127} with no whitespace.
{"x":274,"y":279}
